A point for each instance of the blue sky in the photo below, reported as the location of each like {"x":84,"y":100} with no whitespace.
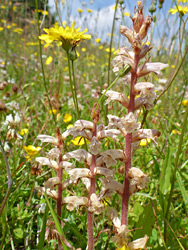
{"x":99,"y":23}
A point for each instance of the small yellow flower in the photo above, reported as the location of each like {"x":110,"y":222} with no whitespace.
{"x":70,"y":126}
{"x":14,"y":8}
{"x":54,"y":111}
{"x":49,"y":60}
{"x":127,"y":14}
{"x":185,"y":102}
{"x":3,"y":21}
{"x":108,"y":50}
{"x":63,"y":2}
{"x":78,"y":141}
{"x":83,"y":49}
{"x":100,"y":47}
{"x":8,"y":26}
{"x":44,"y":12}
{"x":23,"y":131}
{"x":123,"y":248}
{"x":98,"y":40}
{"x":1,"y":28}
{"x":3,"y":7}
{"x":31,"y":150}
{"x":80,"y":10}
{"x":18,"y":30}
{"x":67,"y":118}
{"x":89,"y":11}
{"x":145,"y":142}
{"x":176,"y":132}
{"x":172,"y":66}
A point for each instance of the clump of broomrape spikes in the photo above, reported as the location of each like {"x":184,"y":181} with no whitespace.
{"x":99,"y":164}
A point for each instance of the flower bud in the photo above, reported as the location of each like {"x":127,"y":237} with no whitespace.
{"x":125,"y":70}
{"x":73,"y":55}
{"x":145,"y":26}
{"x":138,"y":19}
{"x":152,"y":8}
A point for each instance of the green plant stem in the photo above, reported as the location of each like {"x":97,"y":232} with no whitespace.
{"x":110,"y":54}
{"x":75,"y":91}
{"x":183,"y":128}
{"x":71,"y":83}
{"x":42,"y":66}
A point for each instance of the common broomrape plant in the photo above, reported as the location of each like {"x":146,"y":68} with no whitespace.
{"x":96,"y":164}
{"x":134,"y":178}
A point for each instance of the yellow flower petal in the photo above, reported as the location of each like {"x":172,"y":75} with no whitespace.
{"x":49,"y":60}
{"x":67,"y":118}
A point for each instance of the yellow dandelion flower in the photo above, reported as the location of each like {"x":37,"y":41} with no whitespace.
{"x":100,"y":47}
{"x":14,"y":8}
{"x":31,"y":150}
{"x":89,"y":11}
{"x":84,"y":75}
{"x":53,"y":111}
{"x":68,"y":36}
{"x":145,"y":142}
{"x":172,"y":66}
{"x":14,"y":24}
{"x":23,"y":131}
{"x":185,"y":102}
{"x":3,"y":7}
{"x":127,"y":14}
{"x":98,"y":40}
{"x":49,"y":60}
{"x":8,"y":27}
{"x":83,"y":49}
{"x":80,"y":10}
{"x":1,"y":28}
{"x":181,"y":9}
{"x":67,"y":118}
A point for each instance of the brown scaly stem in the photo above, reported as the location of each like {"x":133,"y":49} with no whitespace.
{"x":92,"y":190}
{"x":60,"y":176}
{"x":128,"y":138}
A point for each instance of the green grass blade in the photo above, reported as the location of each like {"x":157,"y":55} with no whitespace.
{"x":42,"y":233}
{"x":57,"y":224}
{"x":183,"y":191}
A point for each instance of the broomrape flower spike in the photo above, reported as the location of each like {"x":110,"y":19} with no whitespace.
{"x":69,"y":37}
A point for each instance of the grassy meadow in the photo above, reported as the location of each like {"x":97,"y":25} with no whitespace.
{"x":45,"y":89}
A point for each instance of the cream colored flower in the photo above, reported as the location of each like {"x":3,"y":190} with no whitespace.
{"x":138,"y":244}
{"x":51,"y":183}
{"x":130,"y":123}
{"x":79,"y":155}
{"x":95,"y":205}
{"x":45,"y":161}
{"x":51,"y":193}
{"x":54,"y":153}
{"x":103,"y":171}
{"x":74,"y":202}
{"x":110,"y":157}
{"x":95,"y":146}
{"x":150,"y":67}
{"x":138,"y":180}
{"x":48,"y":138}
{"x":116,"y":96}
{"x":113,"y":133}
{"x":77,"y":173}
{"x":83,"y":124}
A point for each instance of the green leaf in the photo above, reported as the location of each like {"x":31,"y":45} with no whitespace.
{"x":146,"y":221}
{"x":183,"y":190}
{"x":18,"y":232}
{"x":165,"y":183}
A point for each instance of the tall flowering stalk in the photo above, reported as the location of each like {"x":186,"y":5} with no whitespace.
{"x":134,"y":178}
